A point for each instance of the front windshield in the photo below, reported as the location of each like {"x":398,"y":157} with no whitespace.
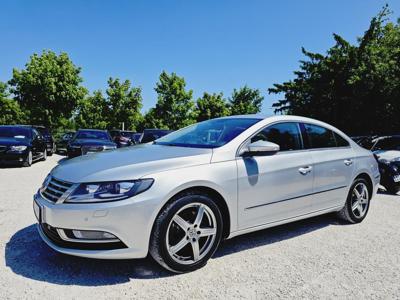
{"x":208,"y":134}
{"x":93,"y":135}
{"x":15,"y":132}
{"x":392,"y":143}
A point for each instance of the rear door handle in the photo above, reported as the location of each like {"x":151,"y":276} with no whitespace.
{"x":348,"y":162}
{"x":305,"y":170}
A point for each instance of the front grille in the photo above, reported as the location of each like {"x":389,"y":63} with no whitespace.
{"x":55,"y":189}
{"x":52,"y":234}
{"x":87,"y":149}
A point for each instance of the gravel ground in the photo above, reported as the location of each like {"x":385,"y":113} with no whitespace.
{"x":314,"y":258}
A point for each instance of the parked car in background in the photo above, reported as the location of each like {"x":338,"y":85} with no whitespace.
{"x":86,"y":141}
{"x":48,"y":137}
{"x":387,"y":152}
{"x":62,"y":142}
{"x":136,"y":137}
{"x":21,"y":145}
{"x":150,"y":135}
{"x":122,"y":138}
{"x":178,"y":197}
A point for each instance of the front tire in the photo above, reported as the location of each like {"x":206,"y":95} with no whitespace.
{"x":186,"y":233}
{"x":357,"y":204}
{"x":44,"y":155}
{"x":29,"y":159}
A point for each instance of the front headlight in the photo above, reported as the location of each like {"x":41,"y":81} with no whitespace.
{"x":18,"y":148}
{"x":109,"y":147}
{"x":108,"y":191}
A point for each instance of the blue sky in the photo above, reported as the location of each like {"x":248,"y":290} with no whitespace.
{"x":215,"y":45}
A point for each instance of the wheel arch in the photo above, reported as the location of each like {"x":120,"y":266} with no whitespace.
{"x":368,"y":178}
{"x":215,"y":196}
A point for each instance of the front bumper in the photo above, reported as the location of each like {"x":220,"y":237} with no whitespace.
{"x":129,"y":220}
{"x":14,"y":157}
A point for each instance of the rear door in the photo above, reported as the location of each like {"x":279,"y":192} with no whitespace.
{"x":277,"y":186}
{"x":332,"y":163}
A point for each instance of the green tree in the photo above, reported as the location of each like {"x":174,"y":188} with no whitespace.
{"x":245,"y":101}
{"x":354,"y":87}
{"x":48,"y":89}
{"x":124,"y":104}
{"x":211,"y":106}
{"x":92,"y":112}
{"x":175,"y":107}
{"x":10,"y":112}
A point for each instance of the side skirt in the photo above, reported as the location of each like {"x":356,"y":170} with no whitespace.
{"x":284,"y":221}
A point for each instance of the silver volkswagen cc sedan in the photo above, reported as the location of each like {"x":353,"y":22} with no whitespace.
{"x":178,"y":197}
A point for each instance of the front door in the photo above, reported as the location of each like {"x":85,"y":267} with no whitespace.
{"x":278,"y":186}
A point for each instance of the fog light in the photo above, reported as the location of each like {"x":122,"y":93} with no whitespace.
{"x":93,"y":235}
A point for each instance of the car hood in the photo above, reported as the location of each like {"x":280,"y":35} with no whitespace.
{"x":13,"y":142}
{"x":91,"y":142}
{"x":129,"y":163}
{"x":387,"y":155}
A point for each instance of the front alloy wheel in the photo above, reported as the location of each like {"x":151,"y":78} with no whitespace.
{"x":186,"y":233}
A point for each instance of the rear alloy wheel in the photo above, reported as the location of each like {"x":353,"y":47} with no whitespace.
{"x":44,"y":155}
{"x":186,"y":233}
{"x":28,"y":160}
{"x":357,"y":204}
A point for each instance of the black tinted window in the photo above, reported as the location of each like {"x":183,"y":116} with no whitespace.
{"x":286,"y":135}
{"x":320,"y":137}
{"x":391,"y":143}
{"x":340,"y":142}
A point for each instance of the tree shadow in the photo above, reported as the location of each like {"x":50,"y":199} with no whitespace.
{"x":27,"y":255}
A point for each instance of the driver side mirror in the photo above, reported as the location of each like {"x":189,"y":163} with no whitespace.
{"x":261,"y":148}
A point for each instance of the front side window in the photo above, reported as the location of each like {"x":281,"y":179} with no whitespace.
{"x":320,"y":137}
{"x":286,"y":135}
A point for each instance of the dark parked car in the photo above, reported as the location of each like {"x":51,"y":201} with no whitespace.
{"x":387,"y":152}
{"x":61,"y":144}
{"x":48,"y":138}
{"x":136,"y":137}
{"x":21,"y":145}
{"x":122,"y":138}
{"x":150,"y":135}
{"x":87,"y":141}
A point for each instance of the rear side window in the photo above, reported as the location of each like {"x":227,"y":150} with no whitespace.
{"x":320,"y":137}
{"x":286,"y":135}
{"x":340,"y":142}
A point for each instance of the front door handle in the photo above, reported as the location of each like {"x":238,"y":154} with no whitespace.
{"x":348,"y":162}
{"x":305,"y":170}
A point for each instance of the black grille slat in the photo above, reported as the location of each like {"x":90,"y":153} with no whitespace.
{"x":57,"y":187}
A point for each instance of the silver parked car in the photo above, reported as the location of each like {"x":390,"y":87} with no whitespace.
{"x":178,"y":197}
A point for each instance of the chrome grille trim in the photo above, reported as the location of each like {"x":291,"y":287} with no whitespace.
{"x":56,"y":190}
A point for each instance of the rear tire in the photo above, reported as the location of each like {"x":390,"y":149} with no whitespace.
{"x":357,"y":204}
{"x":186,"y":233}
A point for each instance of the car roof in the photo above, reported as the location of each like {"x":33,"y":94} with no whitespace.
{"x":98,"y":130}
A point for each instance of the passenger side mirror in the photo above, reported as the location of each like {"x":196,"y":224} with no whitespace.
{"x":261,"y":148}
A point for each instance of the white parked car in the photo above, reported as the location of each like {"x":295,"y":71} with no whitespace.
{"x":177,"y":198}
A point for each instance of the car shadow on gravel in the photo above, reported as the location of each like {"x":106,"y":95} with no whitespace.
{"x":27,"y":255}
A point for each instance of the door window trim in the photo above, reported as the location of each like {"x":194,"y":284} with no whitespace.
{"x":305,"y":136}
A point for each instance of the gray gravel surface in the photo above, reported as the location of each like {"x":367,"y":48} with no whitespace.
{"x":315,"y":258}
